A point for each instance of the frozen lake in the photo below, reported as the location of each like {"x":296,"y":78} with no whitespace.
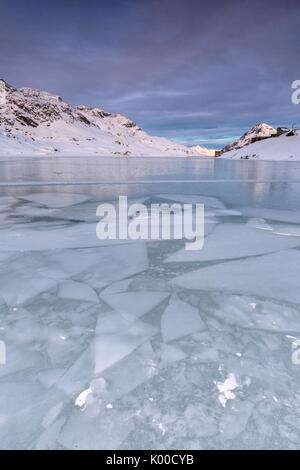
{"x":144,"y":345}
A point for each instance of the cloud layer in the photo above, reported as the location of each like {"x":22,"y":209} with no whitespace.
{"x":193,"y":71}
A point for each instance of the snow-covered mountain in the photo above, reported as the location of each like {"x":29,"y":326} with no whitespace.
{"x":203,"y":151}
{"x":34,"y":122}
{"x":259,"y":131}
{"x":277,"y":148}
{"x":269,"y":146}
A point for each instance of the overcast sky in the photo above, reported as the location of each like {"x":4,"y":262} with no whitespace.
{"x":193,"y":71}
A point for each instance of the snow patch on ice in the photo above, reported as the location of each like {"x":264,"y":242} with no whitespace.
{"x":226,"y":389}
{"x":82,"y":397}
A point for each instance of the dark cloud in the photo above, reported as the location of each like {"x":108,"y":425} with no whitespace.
{"x":190,"y":70}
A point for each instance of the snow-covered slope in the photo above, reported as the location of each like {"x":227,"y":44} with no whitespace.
{"x":276,"y":148}
{"x":259,"y":131}
{"x":203,"y":151}
{"x":34,"y":122}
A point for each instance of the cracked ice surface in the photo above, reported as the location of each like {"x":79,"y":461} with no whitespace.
{"x":111,"y":347}
{"x":275,"y":275}
{"x":235,"y":241}
{"x":56,"y":200}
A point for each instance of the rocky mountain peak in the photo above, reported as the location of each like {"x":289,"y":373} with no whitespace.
{"x":261,"y":130}
{"x":37,"y":122}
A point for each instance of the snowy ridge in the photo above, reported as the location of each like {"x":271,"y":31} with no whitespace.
{"x":278,"y":148}
{"x":259,"y":131}
{"x":34,"y":122}
{"x":203,"y":151}
{"x":263,"y":142}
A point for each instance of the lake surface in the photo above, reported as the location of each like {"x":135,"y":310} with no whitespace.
{"x":124,"y":344}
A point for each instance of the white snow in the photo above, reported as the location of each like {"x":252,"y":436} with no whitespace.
{"x":260,"y":130}
{"x":82,"y":397}
{"x":226,"y":389}
{"x":276,"y":148}
{"x":35,"y":122}
{"x":203,"y":151}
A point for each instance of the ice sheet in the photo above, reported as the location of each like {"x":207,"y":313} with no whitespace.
{"x":116,"y":263}
{"x":141,"y":365}
{"x":201,"y":420}
{"x":235,"y":241}
{"x":24,"y":237}
{"x":117,"y":287}
{"x":193,"y":199}
{"x":235,"y":419}
{"x":133,"y":305}
{"x":276,"y":276}
{"x":70,"y":317}
{"x":179,"y":319}
{"x":27,"y":277}
{"x":56,"y":200}
{"x":77,"y":291}
{"x":106,"y":431}
{"x":48,"y":438}
{"x":250,"y":312}
{"x":287,"y":230}
{"x":170,"y":353}
{"x":116,"y":338}
{"x":27,"y":210}
{"x":272,"y":214}
{"x":78,"y":374}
